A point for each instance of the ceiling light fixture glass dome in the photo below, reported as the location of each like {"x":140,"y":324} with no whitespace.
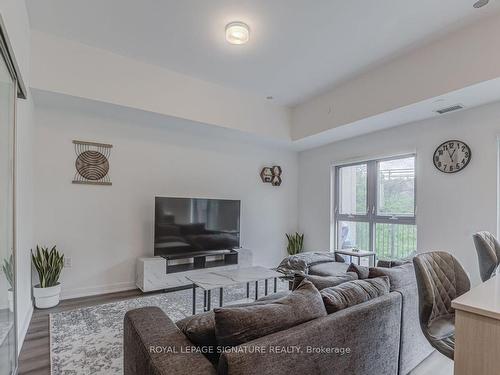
{"x":237,"y":33}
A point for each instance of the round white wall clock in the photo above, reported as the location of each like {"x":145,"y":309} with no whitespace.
{"x":452,"y":156}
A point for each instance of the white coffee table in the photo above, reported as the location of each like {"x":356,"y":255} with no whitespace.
{"x":211,"y":280}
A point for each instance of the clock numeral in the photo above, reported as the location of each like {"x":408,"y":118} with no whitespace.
{"x":451,"y":145}
{"x":440,"y":152}
{"x":451,"y":168}
{"x":466,"y":155}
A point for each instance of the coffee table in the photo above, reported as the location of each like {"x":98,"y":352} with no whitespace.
{"x":208,"y":281}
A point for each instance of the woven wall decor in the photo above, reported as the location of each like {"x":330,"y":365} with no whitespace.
{"x":92,"y":163}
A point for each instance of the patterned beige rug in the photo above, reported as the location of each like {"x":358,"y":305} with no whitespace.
{"x":89,"y":340}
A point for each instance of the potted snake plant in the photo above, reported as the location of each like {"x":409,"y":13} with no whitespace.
{"x":295,"y":243}
{"x":48,"y":264}
{"x":8,"y":270}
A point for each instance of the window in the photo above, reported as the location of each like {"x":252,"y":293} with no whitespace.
{"x":352,"y":189}
{"x":374,"y":207}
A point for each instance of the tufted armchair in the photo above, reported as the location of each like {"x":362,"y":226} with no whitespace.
{"x":488,"y":253}
{"x":440,"y":279}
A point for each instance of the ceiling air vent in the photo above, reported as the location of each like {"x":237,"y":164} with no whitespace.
{"x":455,"y":107}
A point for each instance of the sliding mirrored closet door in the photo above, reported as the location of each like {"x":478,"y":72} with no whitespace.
{"x":8,"y":350}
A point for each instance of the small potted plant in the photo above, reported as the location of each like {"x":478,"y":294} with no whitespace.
{"x":295,"y":243}
{"x":8,"y":270}
{"x":49,"y":265}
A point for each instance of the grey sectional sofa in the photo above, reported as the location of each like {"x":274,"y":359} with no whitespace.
{"x":381,"y":336}
{"x":374,"y":348}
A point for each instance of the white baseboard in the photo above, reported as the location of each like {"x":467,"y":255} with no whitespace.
{"x":23,"y":328}
{"x":96,"y":290}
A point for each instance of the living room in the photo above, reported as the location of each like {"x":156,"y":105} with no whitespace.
{"x":345,"y":153}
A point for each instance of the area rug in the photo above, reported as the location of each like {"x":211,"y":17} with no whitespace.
{"x":89,"y":340}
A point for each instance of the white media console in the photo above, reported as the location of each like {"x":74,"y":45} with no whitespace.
{"x":151,"y":272}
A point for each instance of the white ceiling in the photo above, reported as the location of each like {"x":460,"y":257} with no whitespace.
{"x":298,"y":48}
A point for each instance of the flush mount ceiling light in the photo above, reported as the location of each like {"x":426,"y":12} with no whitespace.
{"x":237,"y":33}
{"x":481,"y":3}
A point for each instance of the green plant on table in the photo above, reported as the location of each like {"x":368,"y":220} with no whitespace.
{"x":49,"y":264}
{"x":295,"y":243}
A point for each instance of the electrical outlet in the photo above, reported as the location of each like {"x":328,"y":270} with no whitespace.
{"x":67,"y":262}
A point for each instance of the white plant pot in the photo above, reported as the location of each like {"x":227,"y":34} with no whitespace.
{"x":10,"y":297}
{"x":46,"y":297}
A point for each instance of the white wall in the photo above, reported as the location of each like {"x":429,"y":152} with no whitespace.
{"x":450,"y":208}
{"x":111,"y":78}
{"x":16,"y":21}
{"x":104,"y":229}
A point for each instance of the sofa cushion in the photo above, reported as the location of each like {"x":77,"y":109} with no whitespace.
{"x":362,"y":271}
{"x":400,"y":276}
{"x":328,"y":269}
{"x":339,"y":258}
{"x":265,"y":299}
{"x":237,"y":325}
{"x":353,"y":293}
{"x":389,"y":263}
{"x":322,"y":282}
{"x":301,"y":262}
{"x":200,"y":328}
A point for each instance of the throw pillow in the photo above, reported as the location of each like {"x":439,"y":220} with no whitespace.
{"x":339,"y":258}
{"x":353,"y":293}
{"x":400,"y":276}
{"x":361,"y":271}
{"x":200,"y":328}
{"x":388,"y":263}
{"x":322,"y":282}
{"x":237,"y":325}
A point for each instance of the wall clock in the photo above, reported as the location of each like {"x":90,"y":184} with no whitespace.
{"x":452,"y":156}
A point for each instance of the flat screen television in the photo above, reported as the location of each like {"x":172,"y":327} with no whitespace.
{"x":192,"y":225}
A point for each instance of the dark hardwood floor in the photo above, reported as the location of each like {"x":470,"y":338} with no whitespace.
{"x":35,"y":353}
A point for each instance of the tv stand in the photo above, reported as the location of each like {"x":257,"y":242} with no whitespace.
{"x":151,"y":272}
{"x":229,"y":256}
